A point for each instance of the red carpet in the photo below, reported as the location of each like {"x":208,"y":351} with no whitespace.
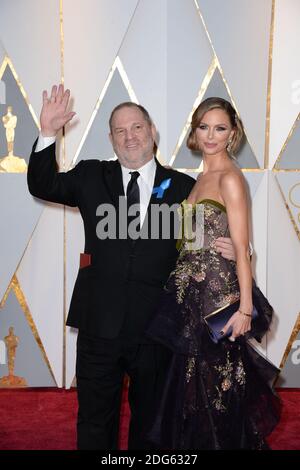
{"x":45,"y":419}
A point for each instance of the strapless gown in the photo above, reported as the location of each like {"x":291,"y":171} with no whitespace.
{"x":216,"y":396}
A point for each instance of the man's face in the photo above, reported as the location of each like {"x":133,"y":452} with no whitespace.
{"x":132,"y":137}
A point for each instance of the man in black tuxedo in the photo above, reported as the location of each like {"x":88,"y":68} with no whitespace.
{"x":120,"y":281}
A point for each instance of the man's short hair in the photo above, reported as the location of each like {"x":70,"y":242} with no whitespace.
{"x":130,"y":104}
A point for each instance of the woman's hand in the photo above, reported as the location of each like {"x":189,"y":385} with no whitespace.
{"x":240,"y":324}
{"x":54,"y":114}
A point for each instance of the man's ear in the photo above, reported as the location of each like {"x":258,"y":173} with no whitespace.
{"x":153,"y":132}
{"x":110,"y":138}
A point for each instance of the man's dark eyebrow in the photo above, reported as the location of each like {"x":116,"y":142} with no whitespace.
{"x":134,"y":124}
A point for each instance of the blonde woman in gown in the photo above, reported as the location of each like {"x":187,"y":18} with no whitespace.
{"x":216,"y":395}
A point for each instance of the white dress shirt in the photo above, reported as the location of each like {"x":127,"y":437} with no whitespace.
{"x":44,"y":142}
{"x":145,"y":180}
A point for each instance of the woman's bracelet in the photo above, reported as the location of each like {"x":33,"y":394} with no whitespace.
{"x":244,"y":313}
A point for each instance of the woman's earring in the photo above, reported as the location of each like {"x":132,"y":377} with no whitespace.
{"x":229,"y":145}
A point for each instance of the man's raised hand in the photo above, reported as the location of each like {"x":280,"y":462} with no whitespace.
{"x":55,"y":114}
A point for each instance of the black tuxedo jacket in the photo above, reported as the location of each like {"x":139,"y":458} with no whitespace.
{"x":119,"y":290}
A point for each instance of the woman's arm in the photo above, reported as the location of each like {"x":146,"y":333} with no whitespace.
{"x":234,"y":194}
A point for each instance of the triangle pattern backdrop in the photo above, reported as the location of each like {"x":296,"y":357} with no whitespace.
{"x":29,"y":361}
{"x":185,"y":158}
{"x":159,"y":53}
{"x":240,"y":35}
{"x":289,"y":183}
{"x":289,"y":158}
{"x":97,"y":144}
{"x":26,"y":130}
{"x":18,"y":223}
{"x":289,"y":376}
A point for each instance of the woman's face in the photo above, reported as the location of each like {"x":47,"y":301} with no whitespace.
{"x":214,"y":132}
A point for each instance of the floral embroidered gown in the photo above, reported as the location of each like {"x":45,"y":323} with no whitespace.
{"x":216,"y":396}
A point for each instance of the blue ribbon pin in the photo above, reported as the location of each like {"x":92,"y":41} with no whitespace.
{"x":159,"y":190}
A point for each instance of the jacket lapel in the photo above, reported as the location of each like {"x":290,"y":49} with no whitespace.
{"x":114,"y":182}
{"x":160,"y":175}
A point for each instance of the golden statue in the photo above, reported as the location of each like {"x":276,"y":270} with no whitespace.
{"x":11,"y":380}
{"x":11,"y":163}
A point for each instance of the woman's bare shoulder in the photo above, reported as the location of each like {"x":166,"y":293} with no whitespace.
{"x":232,"y":178}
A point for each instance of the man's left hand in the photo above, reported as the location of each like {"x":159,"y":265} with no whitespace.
{"x":225,"y":247}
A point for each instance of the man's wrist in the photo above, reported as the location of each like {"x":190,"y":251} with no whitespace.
{"x":48,"y":133}
{"x":44,"y":142}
